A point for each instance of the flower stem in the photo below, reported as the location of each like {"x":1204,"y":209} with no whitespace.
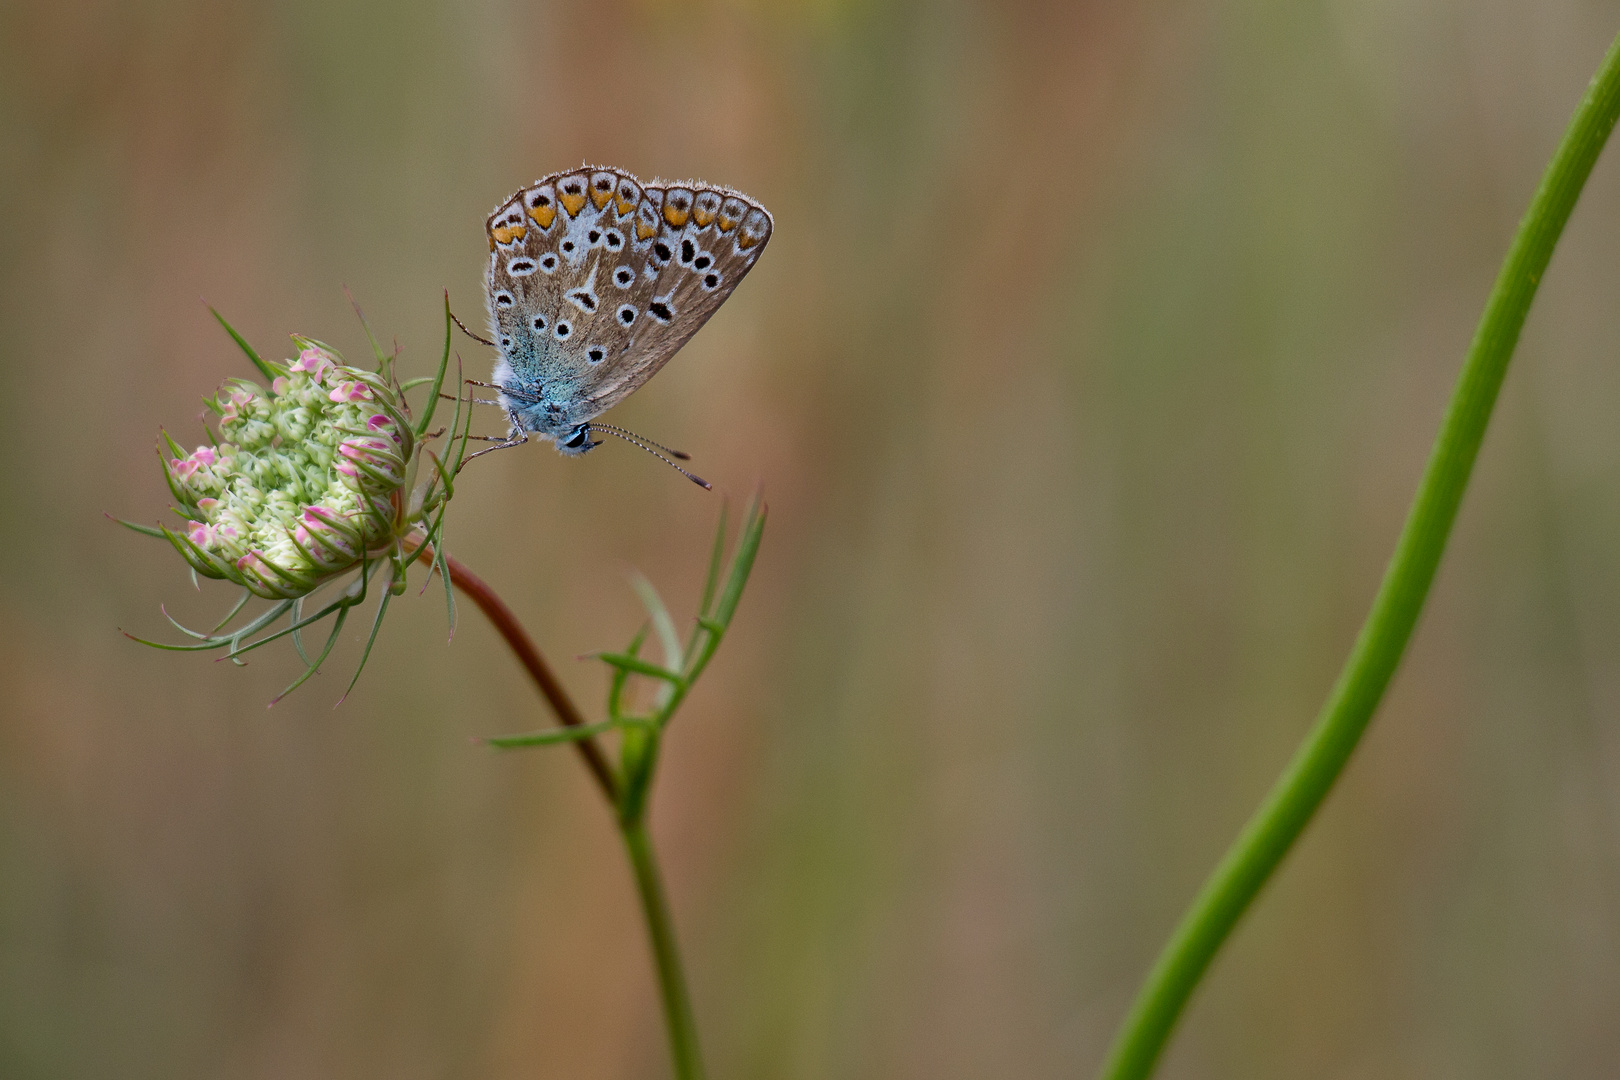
{"x":522,"y":646}
{"x":678,"y":1013}
{"x":1289,"y":806}
{"x":683,"y":1045}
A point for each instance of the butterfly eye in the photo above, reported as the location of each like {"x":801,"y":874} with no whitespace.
{"x":503,"y":299}
{"x":701,"y":262}
{"x":596,"y":354}
{"x":660,"y":311}
{"x":687,"y":251}
{"x":711,"y":282}
{"x":539,"y":322}
{"x":594,"y":235}
{"x":568,"y":245}
{"x":623,"y":276}
{"x":661,"y":250}
{"x":520,"y":267}
{"x":613,"y":240}
{"x":563,"y":330}
{"x":627,"y":314}
{"x":548,"y":263}
{"x":506,"y":342}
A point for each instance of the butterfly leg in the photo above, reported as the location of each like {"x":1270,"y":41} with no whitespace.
{"x":472,"y":400}
{"x":500,"y":444}
{"x":515,"y":392}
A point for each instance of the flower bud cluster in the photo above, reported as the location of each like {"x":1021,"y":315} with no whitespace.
{"x":305,"y":480}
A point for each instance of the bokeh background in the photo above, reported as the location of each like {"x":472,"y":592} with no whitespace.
{"x":1088,"y":375}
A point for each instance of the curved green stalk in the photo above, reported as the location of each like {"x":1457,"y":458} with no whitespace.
{"x":682,"y":1024}
{"x":1316,"y":765}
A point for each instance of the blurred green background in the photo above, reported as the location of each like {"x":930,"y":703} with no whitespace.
{"x":1089,"y":375}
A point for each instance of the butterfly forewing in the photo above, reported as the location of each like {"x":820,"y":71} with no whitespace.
{"x":595,"y":281}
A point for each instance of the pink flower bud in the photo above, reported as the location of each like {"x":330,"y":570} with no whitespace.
{"x":325,"y":541}
{"x":350,"y":391}
{"x":315,"y":362}
{"x":385,"y":424}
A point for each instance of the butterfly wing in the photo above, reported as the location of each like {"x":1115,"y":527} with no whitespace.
{"x":596,"y":281}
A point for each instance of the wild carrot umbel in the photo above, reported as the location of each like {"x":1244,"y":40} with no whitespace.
{"x":322,"y":475}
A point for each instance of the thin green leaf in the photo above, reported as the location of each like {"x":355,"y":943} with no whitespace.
{"x":376,"y":625}
{"x":551,"y":736}
{"x":621,"y":677}
{"x":172,"y":648}
{"x":742,"y":562}
{"x":376,"y":349}
{"x":422,"y":425}
{"x":331,"y":640}
{"x":183,"y":629}
{"x":716,"y":557}
{"x":412,"y":384}
{"x":660,"y":619}
{"x":641,"y":667}
{"x":240,"y":604}
{"x":265,"y":369}
{"x":175,"y":490}
{"x":436,"y":538}
{"x":144,"y":530}
{"x":220,"y":641}
{"x":711,"y":580}
{"x":461,"y":452}
{"x":342,"y":603}
{"x":297,"y":634}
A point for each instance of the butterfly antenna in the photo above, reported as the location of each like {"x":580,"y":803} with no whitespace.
{"x":469,"y":333}
{"x":621,"y":432}
{"x":636,"y":440}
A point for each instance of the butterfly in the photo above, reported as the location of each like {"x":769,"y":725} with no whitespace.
{"x":595,"y":280}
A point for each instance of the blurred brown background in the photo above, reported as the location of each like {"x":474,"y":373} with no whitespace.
{"x":1089,"y":375}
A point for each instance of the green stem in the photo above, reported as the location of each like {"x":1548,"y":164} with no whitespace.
{"x":1316,"y":765}
{"x":683,"y":1045}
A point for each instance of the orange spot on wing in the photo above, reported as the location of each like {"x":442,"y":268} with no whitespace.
{"x":746,"y":241}
{"x":600,"y":197}
{"x":645,"y":230}
{"x":726,"y":223}
{"x":505,"y":234}
{"x":674,"y":216}
{"x":624,"y":205}
{"x":573,"y":203}
{"x":543,"y":215}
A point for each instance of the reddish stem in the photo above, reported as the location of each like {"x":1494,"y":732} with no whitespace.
{"x":495,"y":609}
